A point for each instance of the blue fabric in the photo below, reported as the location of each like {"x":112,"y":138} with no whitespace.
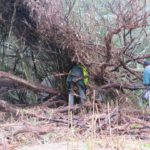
{"x":74,"y":76}
{"x":146,"y":63}
{"x":81,"y":94}
{"x":146,"y":76}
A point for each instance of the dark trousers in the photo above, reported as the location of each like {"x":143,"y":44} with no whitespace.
{"x":81,"y":89}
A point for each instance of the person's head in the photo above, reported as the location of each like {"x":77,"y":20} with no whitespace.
{"x":146,"y":63}
{"x":73,"y":63}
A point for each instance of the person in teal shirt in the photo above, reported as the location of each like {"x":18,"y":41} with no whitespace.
{"x":146,"y":76}
{"x":77,"y":76}
{"x":146,"y":81}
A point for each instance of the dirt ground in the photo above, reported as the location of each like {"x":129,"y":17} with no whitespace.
{"x":42,"y":128}
{"x":101,"y":145}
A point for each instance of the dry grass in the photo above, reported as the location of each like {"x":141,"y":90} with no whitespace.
{"x":93,"y":127}
{"x":77,"y":131}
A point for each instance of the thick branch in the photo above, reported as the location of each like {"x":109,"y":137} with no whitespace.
{"x":7,"y":107}
{"x":121,"y":86}
{"x":128,"y":69}
{"x":28,"y":84}
{"x":142,"y":57}
{"x":108,"y":40}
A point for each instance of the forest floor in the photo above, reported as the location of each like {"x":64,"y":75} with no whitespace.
{"x":102,"y":128}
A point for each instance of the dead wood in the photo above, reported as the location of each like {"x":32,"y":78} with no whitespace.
{"x":108,"y":117}
{"x":122,"y":128}
{"x":7,"y":107}
{"x":74,"y":108}
{"x":45,"y":21}
{"x":119,"y":86}
{"x":38,"y":130}
{"x":53,"y":101}
{"x":132,"y":125}
{"x":138,"y":121}
{"x":68,"y":108}
{"x":28,"y":84}
{"x":129,"y":70}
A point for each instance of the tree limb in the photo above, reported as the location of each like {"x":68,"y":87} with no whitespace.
{"x":119,"y":86}
{"x":28,"y":84}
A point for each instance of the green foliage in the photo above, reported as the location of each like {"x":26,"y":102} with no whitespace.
{"x":147,"y":145}
{"x":4,"y":68}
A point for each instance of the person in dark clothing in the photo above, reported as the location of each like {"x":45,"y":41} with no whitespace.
{"x":78,"y":76}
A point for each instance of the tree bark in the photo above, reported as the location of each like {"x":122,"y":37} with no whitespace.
{"x":28,"y":84}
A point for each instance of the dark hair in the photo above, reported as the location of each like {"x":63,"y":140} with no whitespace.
{"x":73,"y":63}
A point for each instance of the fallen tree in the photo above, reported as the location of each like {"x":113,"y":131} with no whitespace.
{"x":28,"y":84}
{"x":40,"y":88}
{"x":45,"y":20}
{"x":49,"y":25}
